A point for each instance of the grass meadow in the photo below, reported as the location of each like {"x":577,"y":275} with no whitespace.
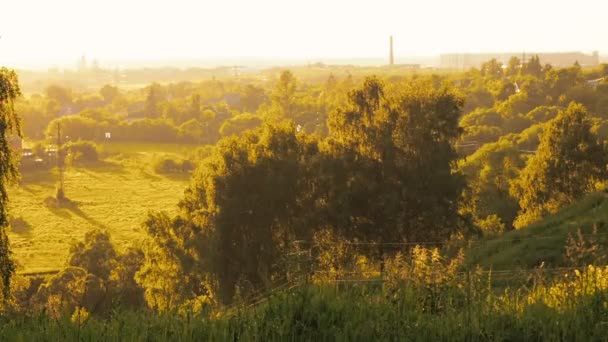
{"x":113,"y":194}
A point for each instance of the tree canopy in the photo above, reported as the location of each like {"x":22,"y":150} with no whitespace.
{"x":10,"y":126}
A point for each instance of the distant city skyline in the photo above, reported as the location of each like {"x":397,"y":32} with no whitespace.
{"x":41,"y":34}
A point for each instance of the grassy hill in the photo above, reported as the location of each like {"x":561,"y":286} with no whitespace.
{"x":543,"y":241}
{"x":114,"y":194}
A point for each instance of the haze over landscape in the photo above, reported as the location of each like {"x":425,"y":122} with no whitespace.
{"x":185,"y":32}
{"x":274,"y":170}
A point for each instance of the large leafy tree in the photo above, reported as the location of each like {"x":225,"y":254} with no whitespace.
{"x":284,"y":102}
{"x":567,"y":163}
{"x":492,"y":69}
{"x":533,"y":67}
{"x":237,"y":218}
{"x":394,"y":155}
{"x":96,"y":254}
{"x":154,"y":96}
{"x":9,"y":126}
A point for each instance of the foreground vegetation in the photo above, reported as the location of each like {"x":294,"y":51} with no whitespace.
{"x":461,"y":307}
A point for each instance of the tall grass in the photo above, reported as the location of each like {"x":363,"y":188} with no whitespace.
{"x":461,"y":306}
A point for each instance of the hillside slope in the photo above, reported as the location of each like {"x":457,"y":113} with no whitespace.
{"x":543,"y":241}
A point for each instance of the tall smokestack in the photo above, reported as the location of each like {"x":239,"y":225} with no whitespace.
{"x":391,"y":59}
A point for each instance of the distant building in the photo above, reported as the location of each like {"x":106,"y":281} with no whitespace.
{"x":557,"y":59}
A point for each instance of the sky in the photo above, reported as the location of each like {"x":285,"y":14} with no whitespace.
{"x":58,"y":32}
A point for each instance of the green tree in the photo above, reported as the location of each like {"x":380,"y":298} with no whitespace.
{"x":171,"y":274}
{"x":9,"y":126}
{"x":492,"y":69}
{"x":533,"y":67}
{"x":194,"y":111}
{"x":235,"y":223}
{"x":513,"y":66}
{"x":251,"y":98}
{"x":392,"y":156}
{"x":96,"y":254}
{"x":109,"y":93}
{"x":239,"y":124}
{"x":122,"y":278}
{"x":568,"y":161}
{"x":153,"y":99}
{"x":283,"y":97}
{"x":62,"y":95}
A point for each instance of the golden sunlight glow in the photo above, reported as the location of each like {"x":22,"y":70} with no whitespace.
{"x":49,"y":32}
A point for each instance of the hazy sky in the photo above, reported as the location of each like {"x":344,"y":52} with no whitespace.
{"x":45,"y":32}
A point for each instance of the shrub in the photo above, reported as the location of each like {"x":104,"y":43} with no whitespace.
{"x":80,"y":151}
{"x":167,"y":164}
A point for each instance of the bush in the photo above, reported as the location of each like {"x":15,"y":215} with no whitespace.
{"x":167,"y":164}
{"x":80,"y":151}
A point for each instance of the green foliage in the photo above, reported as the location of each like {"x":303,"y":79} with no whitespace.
{"x":529,"y":138}
{"x":245,"y":192}
{"x":532,"y":67}
{"x":170,"y":274}
{"x":62,"y":95}
{"x":483,"y":117}
{"x":109,"y":93}
{"x":10,"y":124}
{"x":434,"y":306}
{"x":283,"y":97}
{"x":74,"y":127}
{"x":543,"y":114}
{"x":70,"y":289}
{"x":124,"y":289}
{"x":481,"y":134}
{"x":490,"y":172}
{"x":95,"y":254}
{"x":96,"y":277}
{"x":492,"y":69}
{"x":167,"y":165}
{"x":80,"y":151}
{"x":513,"y":66}
{"x":153,"y":99}
{"x":382,"y":143}
{"x":239,"y":124}
{"x":568,"y":162}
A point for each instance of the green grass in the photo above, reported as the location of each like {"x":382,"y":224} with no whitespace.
{"x":135,"y":147}
{"x":325,"y":313}
{"x":115,"y":194}
{"x":543,"y":241}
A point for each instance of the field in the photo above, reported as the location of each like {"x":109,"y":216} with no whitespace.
{"x":113,"y":194}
